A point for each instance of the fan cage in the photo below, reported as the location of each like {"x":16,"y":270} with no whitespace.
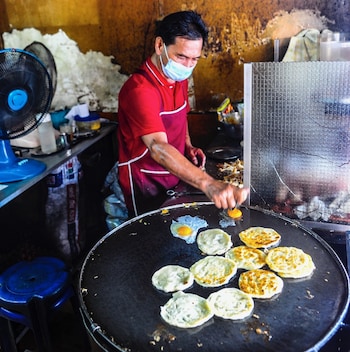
{"x":21,"y":71}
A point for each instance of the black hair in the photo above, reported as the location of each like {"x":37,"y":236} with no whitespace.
{"x":185,"y":24}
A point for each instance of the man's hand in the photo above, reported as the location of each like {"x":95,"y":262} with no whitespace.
{"x":196,"y":156}
{"x":225,"y":195}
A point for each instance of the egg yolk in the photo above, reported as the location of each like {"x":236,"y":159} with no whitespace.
{"x":184,"y":230}
{"x":234,"y":213}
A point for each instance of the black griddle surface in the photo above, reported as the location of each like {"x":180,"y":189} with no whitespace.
{"x":121,"y":307}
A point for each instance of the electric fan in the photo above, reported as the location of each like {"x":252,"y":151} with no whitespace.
{"x":25,"y":97}
{"x":45,"y":56}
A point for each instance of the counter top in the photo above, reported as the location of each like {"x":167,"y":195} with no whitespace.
{"x":9,"y":191}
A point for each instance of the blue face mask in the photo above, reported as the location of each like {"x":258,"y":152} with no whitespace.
{"x":174,"y":70}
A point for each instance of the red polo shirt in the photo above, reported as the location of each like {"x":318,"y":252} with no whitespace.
{"x":141,"y":100}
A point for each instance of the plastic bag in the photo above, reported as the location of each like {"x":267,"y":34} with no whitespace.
{"x":114,"y":204}
{"x":62,"y":210}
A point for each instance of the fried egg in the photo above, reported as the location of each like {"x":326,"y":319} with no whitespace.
{"x":230,"y":217}
{"x":224,"y":223}
{"x":234,"y":213}
{"x":186,"y":227}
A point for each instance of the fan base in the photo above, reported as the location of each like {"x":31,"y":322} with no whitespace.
{"x":21,"y":169}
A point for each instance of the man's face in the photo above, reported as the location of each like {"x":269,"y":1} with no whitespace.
{"x":184,"y":51}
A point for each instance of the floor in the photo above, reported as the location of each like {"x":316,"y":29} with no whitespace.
{"x":64,"y":327}
{"x":65,"y":334}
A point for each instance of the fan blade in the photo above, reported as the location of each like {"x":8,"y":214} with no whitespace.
{"x":25,"y":92}
{"x":45,"y":55}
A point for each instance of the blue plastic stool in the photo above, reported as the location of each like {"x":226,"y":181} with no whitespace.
{"x":30,"y":292}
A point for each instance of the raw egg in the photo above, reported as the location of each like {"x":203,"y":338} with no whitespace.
{"x":230,"y":216}
{"x":186,"y":227}
{"x":234,"y":213}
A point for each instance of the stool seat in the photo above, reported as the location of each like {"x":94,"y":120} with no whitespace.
{"x":41,"y":278}
{"x":29,"y":293}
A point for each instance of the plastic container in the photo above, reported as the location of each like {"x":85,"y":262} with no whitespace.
{"x":89,"y":123}
{"x":47,"y":135}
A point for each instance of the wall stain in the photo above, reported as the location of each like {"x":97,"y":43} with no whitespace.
{"x":240,"y":31}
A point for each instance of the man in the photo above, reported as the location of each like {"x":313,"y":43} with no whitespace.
{"x":155,"y":149}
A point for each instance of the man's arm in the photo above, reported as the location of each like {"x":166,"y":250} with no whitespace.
{"x":222,"y":194}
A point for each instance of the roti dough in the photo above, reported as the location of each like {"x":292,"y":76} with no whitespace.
{"x":260,"y":283}
{"x":171,"y":278}
{"x":186,"y":310}
{"x":247,"y":258}
{"x":214,"y":241}
{"x":231,"y":303}
{"x":290,"y":262}
{"x":260,"y":237}
{"x":213,"y":271}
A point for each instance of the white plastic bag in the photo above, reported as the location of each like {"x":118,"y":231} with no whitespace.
{"x":62,"y":209}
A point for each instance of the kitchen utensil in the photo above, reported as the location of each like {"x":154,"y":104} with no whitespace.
{"x":233,"y":131}
{"x":176,"y":194}
{"x":223,"y":153}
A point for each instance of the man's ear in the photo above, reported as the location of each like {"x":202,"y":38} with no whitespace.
{"x":158,"y":45}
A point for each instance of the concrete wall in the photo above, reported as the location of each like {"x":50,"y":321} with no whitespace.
{"x":240,"y":31}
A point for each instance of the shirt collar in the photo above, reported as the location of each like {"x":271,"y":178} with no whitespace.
{"x":157,"y":74}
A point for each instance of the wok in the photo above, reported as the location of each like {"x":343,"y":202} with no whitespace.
{"x":121,"y":308}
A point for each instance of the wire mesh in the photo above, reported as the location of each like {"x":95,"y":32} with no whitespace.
{"x":297,"y":121}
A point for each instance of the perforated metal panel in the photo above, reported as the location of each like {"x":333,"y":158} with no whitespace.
{"x":297,"y":138}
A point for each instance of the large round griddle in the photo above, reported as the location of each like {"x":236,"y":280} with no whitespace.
{"x":121,"y":307}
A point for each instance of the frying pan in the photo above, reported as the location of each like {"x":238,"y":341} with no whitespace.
{"x":120,"y":307}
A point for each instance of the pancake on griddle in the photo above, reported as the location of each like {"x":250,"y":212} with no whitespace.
{"x":214,"y":241}
{"x":260,"y":283}
{"x":213,"y":271}
{"x":186,"y":310}
{"x":171,"y":278}
{"x":231,"y":303}
{"x":246,"y":257}
{"x":260,"y":237}
{"x":290,"y":262}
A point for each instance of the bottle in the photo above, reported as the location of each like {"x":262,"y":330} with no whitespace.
{"x":47,"y":135}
